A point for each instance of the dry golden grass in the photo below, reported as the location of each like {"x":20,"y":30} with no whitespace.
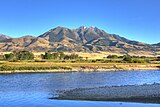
{"x":80,"y":65}
{"x":20,"y":67}
{"x":93,"y":55}
{"x":98,"y":55}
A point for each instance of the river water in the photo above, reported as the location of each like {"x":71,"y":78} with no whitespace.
{"x":35,"y":89}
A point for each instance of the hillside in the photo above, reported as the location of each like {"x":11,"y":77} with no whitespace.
{"x":4,"y":37}
{"x":75,"y":40}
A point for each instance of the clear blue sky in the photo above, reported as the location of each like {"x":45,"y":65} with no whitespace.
{"x":133,"y":19}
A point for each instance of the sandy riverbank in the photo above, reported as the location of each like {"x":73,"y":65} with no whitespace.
{"x":130,"y":93}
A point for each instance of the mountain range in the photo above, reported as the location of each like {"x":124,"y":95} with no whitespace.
{"x":84,"y":39}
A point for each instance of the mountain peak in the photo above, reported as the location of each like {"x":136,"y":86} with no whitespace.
{"x":57,"y":28}
{"x":82,"y":27}
{"x":61,"y":27}
{"x":4,"y":37}
{"x":93,"y":27}
{"x":80,"y":39}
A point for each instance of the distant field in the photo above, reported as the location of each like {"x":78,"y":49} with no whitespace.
{"x":100,"y":54}
{"x":79,"y":65}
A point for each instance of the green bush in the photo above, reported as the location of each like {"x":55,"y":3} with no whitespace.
{"x":138,"y":61}
{"x":127,"y":59}
{"x":39,"y":61}
{"x":94,"y":61}
{"x":158,"y":58}
{"x":10,"y":56}
{"x":10,"y":68}
{"x":112,"y":56}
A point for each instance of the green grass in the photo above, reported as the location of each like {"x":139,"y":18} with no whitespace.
{"x":9,"y":68}
{"x":71,"y":64}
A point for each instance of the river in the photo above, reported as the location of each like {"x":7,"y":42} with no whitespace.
{"x":35,"y":89}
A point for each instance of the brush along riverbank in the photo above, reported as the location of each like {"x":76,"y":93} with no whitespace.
{"x":29,"y":67}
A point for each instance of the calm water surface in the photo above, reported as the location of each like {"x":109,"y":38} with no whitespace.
{"x":23,"y":90}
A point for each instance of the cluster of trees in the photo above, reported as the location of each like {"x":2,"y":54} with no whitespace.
{"x":20,"y":55}
{"x":112,"y":56}
{"x":59,"y":56}
{"x":115,"y":56}
{"x":26,"y":55}
{"x":129,"y":59}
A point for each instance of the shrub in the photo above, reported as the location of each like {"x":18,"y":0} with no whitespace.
{"x":143,"y":57}
{"x":158,"y":58}
{"x":73,"y":61}
{"x":138,"y":61}
{"x":40,"y":61}
{"x":112,"y":56}
{"x":10,"y":56}
{"x":127,"y":59}
{"x":93,"y":61}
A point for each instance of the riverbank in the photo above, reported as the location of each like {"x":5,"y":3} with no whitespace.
{"x":130,"y":93}
{"x":42,"y":67}
{"x":78,"y":70}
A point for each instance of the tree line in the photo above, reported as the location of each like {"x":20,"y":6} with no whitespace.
{"x":134,"y":59}
{"x":20,"y":55}
{"x":59,"y":56}
{"x":26,"y":55}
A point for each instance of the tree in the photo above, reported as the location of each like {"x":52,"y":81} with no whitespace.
{"x":86,"y":58}
{"x":127,"y":59}
{"x":74,"y":56}
{"x":24,"y":55}
{"x":10,"y":56}
{"x":158,"y":58}
{"x":143,"y":57}
{"x":67,"y":57}
{"x":61,"y":55}
{"x":112,"y":56}
{"x":48,"y":55}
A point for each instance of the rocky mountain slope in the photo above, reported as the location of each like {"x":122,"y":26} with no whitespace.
{"x":80,"y":39}
{"x":4,"y":37}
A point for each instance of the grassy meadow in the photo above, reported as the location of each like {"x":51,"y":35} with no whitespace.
{"x":88,"y":61}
